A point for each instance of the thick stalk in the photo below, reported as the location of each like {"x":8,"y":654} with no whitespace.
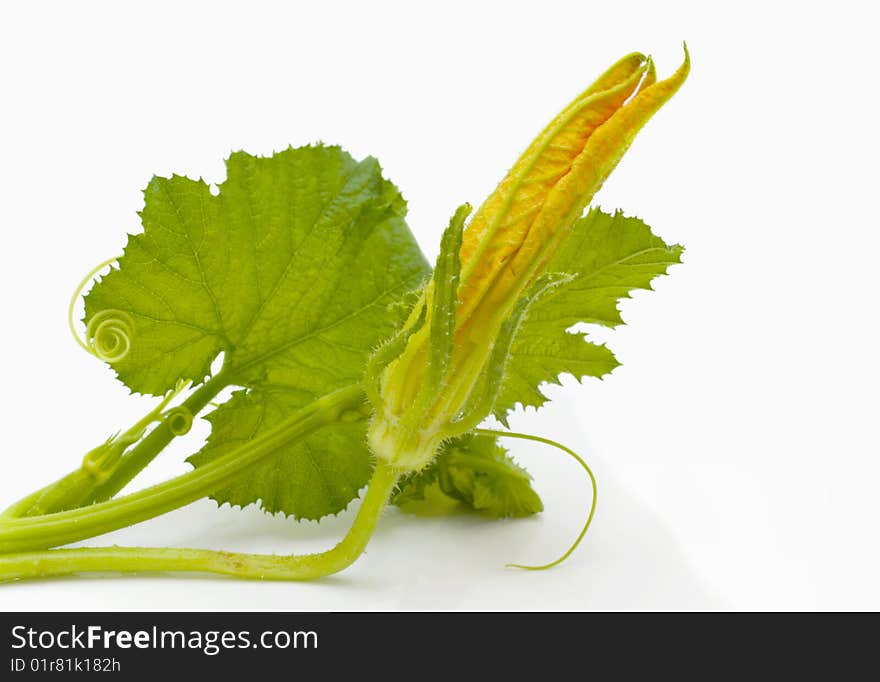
{"x":80,"y":487}
{"x":252,"y":566}
{"x":51,"y":530}
{"x":67,"y":492}
{"x":21,"y":507}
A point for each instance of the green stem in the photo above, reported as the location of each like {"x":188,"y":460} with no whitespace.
{"x":137,"y":459}
{"x":81,"y":487}
{"x":67,"y":492}
{"x":51,"y":530}
{"x":251,"y":566}
{"x":574,"y":455}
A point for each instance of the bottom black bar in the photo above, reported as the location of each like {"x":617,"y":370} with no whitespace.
{"x":455,"y":645}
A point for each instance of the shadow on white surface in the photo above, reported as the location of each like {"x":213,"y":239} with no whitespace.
{"x":629,"y":560}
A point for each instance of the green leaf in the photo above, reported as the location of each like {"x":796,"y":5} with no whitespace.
{"x":295,"y":270}
{"x":413,"y":487}
{"x":477,"y":471}
{"x":288,"y":270}
{"x":308,"y":479}
{"x":609,"y":257}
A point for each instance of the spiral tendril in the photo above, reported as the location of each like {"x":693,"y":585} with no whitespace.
{"x":109,"y":333}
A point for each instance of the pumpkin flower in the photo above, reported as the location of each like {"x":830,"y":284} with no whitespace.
{"x":438,"y":378}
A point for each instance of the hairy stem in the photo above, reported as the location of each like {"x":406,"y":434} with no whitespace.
{"x":51,"y":530}
{"x":252,"y":566}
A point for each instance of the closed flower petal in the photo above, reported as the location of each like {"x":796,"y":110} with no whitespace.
{"x":516,"y":231}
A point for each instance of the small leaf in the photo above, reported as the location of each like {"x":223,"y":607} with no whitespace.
{"x":608,"y":256}
{"x":478,"y":472}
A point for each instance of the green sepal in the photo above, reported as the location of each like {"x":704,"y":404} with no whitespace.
{"x":385,"y":354}
{"x":446,"y":278}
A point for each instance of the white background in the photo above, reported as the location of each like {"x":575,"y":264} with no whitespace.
{"x":736,"y":448}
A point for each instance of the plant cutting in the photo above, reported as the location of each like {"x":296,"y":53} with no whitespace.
{"x":352,"y":362}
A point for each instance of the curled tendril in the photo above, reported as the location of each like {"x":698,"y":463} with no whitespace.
{"x":573,"y":455}
{"x":108,"y":335}
{"x":109,"y":332}
{"x":179,"y":419}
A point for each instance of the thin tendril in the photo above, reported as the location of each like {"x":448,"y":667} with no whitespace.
{"x":76,"y":294}
{"x":574,"y":455}
{"x":108,"y":335}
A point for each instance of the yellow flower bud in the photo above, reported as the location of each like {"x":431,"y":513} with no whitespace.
{"x":504,"y":252}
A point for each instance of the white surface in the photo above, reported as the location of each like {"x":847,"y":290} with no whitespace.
{"x":736,"y":448}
